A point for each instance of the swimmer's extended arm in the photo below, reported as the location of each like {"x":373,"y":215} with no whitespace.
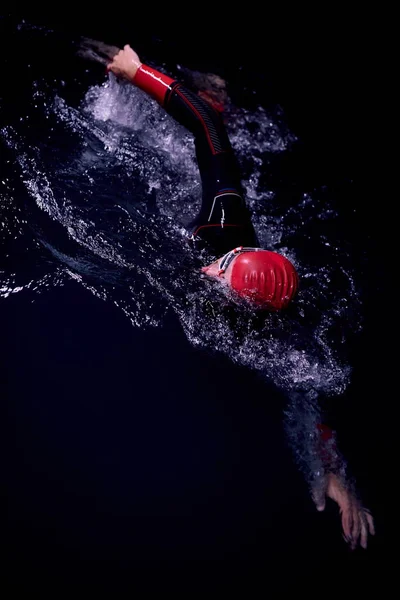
{"x":216,"y":159}
{"x":315,"y":448}
{"x":357,"y":521}
{"x":190,"y":109}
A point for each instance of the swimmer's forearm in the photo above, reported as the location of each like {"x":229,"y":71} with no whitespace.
{"x":153,"y":82}
{"x":314,"y":444}
{"x":328,"y":451}
{"x":326,"y":444}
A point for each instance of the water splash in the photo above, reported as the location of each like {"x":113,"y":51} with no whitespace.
{"x":119,"y":178}
{"x":123,"y":189}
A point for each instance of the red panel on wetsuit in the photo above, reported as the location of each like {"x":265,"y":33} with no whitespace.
{"x":326,"y":432}
{"x":152,"y":82}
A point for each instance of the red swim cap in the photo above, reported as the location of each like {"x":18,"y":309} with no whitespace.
{"x":267,"y":278}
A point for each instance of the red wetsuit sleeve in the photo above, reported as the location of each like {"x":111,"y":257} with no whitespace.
{"x":327,"y":445}
{"x":326,"y":433}
{"x":153,"y":82}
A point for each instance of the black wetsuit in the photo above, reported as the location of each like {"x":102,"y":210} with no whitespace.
{"x":223,"y":222}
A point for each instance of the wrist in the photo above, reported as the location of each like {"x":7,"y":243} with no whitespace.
{"x":134,"y":67}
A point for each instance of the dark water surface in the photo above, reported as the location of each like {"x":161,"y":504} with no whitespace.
{"x":143,"y":428}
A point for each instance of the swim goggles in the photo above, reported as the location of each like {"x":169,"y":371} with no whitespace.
{"x":230,"y":256}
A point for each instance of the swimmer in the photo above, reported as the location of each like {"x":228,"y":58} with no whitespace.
{"x":265,"y":279}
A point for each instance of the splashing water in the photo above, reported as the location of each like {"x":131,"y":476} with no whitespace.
{"x":111,"y":184}
{"x":122,"y":188}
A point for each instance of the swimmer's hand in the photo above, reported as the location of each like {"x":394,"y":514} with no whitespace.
{"x":125,"y":64}
{"x":357,"y":521}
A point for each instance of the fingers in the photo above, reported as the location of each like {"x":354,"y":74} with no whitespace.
{"x":111,"y":65}
{"x":364,"y":534}
{"x":347,"y":522}
{"x":357,"y":524}
{"x":370,"y":521}
{"x":352,"y":525}
{"x":367,"y":527}
{"x":356,"y":529}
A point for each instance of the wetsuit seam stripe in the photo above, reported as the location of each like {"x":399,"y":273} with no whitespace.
{"x":211,"y":134}
{"x":219,"y":195}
